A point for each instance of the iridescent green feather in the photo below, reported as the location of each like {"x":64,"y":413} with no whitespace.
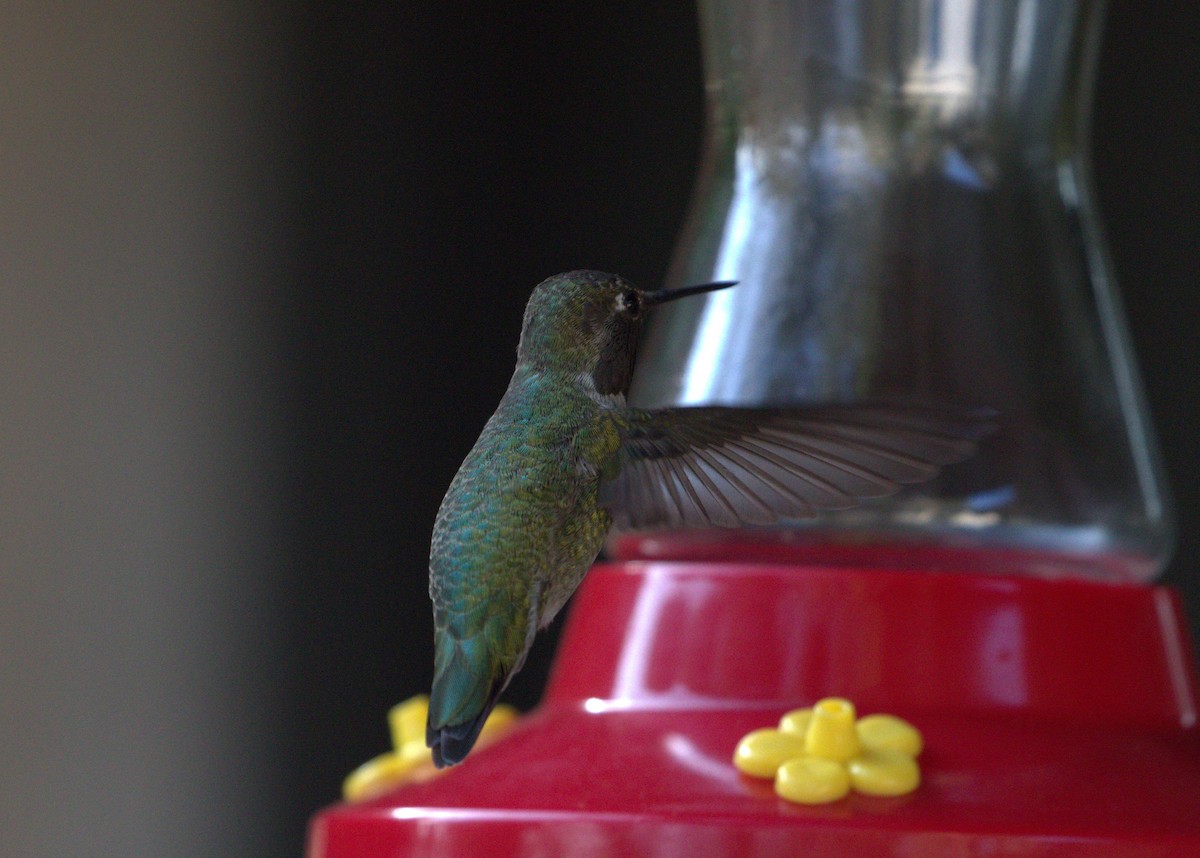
{"x":514,"y":536}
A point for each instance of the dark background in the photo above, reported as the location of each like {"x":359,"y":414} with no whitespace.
{"x":263,"y":267}
{"x":460,"y":155}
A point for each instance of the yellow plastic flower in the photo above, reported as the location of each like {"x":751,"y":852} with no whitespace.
{"x":818,"y":755}
{"x":409,"y":759}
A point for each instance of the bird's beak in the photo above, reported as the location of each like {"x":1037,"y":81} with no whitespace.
{"x":661,"y":296}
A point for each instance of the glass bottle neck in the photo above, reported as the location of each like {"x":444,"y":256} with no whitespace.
{"x":1000,"y":74}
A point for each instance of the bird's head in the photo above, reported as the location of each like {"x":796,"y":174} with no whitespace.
{"x":587,"y":323}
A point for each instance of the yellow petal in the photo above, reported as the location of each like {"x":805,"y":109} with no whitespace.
{"x":831,"y":732}
{"x":761,"y":752}
{"x":889,"y":733}
{"x":377,"y":776}
{"x":796,"y":722}
{"x":884,"y":773}
{"x":502,"y":718}
{"x":812,"y":780}
{"x":407,"y":720}
{"x":415,"y":751}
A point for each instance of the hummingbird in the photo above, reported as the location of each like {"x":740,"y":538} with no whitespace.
{"x":564,"y":458}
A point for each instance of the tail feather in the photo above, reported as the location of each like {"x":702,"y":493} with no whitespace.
{"x":451,"y":744}
{"x":466,"y":685}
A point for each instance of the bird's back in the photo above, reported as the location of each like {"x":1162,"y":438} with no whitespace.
{"x":515,"y":533}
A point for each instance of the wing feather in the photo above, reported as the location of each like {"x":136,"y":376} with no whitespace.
{"x":724,"y":467}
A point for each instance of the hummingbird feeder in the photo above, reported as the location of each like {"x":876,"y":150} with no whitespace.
{"x":902,"y":190}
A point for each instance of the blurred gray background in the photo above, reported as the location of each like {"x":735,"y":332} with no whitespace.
{"x":262,"y":269}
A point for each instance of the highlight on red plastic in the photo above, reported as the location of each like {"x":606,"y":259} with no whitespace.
{"x":1059,"y":717}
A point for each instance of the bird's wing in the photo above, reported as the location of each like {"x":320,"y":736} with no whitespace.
{"x":700,"y":467}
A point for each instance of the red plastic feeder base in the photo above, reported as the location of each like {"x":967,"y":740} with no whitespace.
{"x":1059,"y":719}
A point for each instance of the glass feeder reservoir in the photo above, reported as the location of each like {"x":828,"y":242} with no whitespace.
{"x":902,"y":190}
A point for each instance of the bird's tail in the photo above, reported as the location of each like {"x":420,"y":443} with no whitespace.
{"x":467,"y":681}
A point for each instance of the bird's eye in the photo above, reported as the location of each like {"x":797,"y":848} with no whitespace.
{"x":630,"y":302}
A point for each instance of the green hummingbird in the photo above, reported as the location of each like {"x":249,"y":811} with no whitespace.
{"x":564,"y":458}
